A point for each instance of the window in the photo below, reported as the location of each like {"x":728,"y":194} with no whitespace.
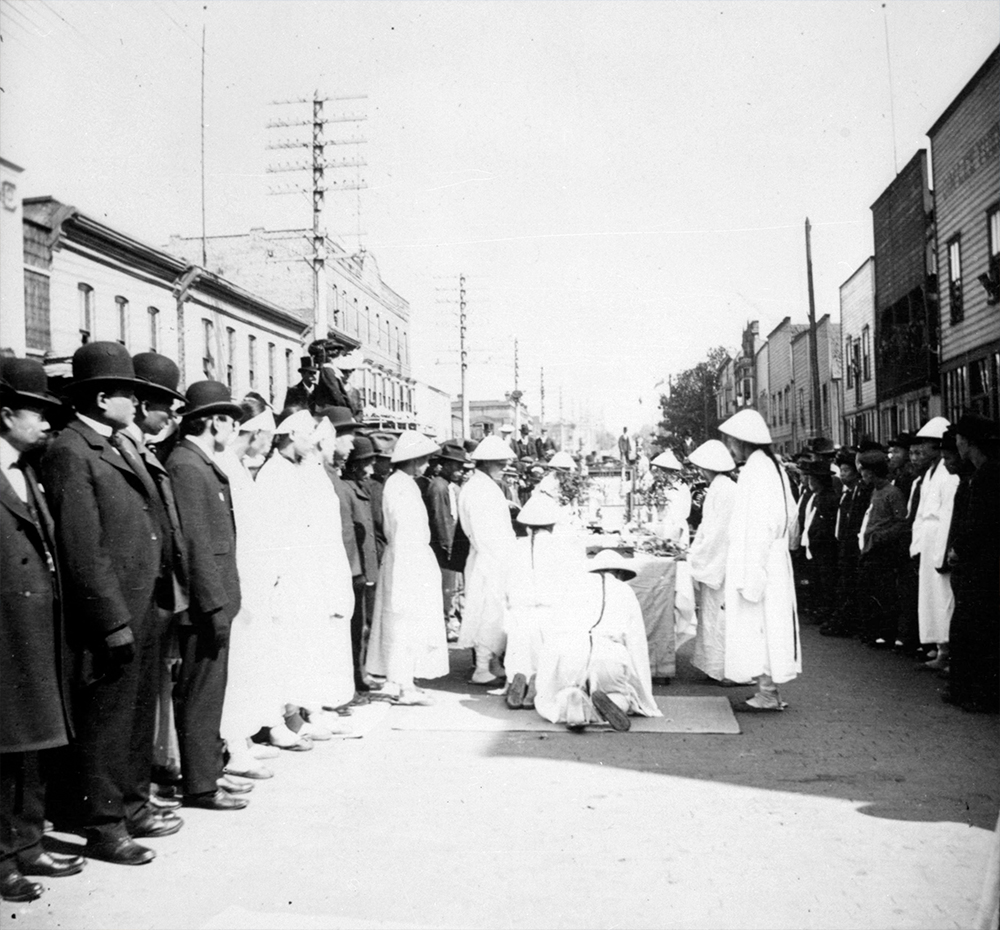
{"x":289,"y":373}
{"x":849,"y":355}
{"x":252,"y":359}
{"x":955,"y":280}
{"x":86,"y":297}
{"x":378,"y":330}
{"x":825,"y":412}
{"x":207,"y":345}
{"x":121,"y":308}
{"x":230,"y":356}
{"x":399,"y":350}
{"x":272,"y":364}
{"x":993,"y":231}
{"x":37,"y":311}
{"x":154,"y":328}
{"x":866,"y":353}
{"x":406,"y":349}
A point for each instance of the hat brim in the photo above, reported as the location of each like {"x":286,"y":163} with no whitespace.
{"x":134,"y":383}
{"x":210,"y":410}
{"x":30,"y":399}
{"x":452,"y":458}
{"x":361,"y":457}
{"x":150,"y":387}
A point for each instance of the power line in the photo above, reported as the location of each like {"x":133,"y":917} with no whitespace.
{"x":178,"y":26}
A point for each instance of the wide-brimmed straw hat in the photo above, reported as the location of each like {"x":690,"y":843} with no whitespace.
{"x":933,"y":429}
{"x":713,"y":456}
{"x":667,"y":459}
{"x":412,"y":445}
{"x":749,"y":426}
{"x":607,"y":560}
{"x":562,"y":460}
{"x":540,"y":510}
{"x":493,"y":449}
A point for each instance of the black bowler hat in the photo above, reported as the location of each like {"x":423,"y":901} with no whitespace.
{"x":23,"y":382}
{"x":821,"y":445}
{"x":308,"y":363}
{"x":363,"y":450}
{"x":869,"y":445}
{"x":976,"y":428}
{"x":209,"y":398}
{"x":453,"y":451}
{"x":161,"y":373}
{"x":817,"y":468}
{"x":341,"y":417}
{"x":103,"y":364}
{"x":901,"y":441}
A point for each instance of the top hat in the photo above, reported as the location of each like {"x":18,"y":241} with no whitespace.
{"x":161,"y":373}
{"x":453,"y":451}
{"x":24,"y":381}
{"x":209,"y":398}
{"x":104,"y":363}
{"x":340,"y":417}
{"x":308,"y":363}
{"x":976,"y":428}
{"x":363,"y":450}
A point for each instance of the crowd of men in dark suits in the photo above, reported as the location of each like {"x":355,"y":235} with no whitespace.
{"x":866,"y":567}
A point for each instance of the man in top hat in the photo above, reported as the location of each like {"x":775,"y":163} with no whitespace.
{"x":205,"y":505}
{"x":300,"y":395}
{"x":441,"y":499}
{"x":33,"y":686}
{"x":109,"y":535}
{"x":974,"y":558}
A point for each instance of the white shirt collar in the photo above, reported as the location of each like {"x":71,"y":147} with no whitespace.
{"x":9,"y":456}
{"x":100,"y":428}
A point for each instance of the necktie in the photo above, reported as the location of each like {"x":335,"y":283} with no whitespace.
{"x":36,"y":507}
{"x":131,"y":455}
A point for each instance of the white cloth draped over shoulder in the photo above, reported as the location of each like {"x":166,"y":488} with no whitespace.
{"x":931,"y":524}
{"x":761,"y":626}
{"x":707,"y":559}
{"x":597,"y":643}
{"x":408,"y":637}
{"x":252,"y":700}
{"x":544,"y":569}
{"x":309,"y":579}
{"x":485,"y":518}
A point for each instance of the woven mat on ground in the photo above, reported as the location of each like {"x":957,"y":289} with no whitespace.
{"x":488,"y":712}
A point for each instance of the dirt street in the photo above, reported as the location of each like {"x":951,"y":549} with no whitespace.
{"x":868,"y":804}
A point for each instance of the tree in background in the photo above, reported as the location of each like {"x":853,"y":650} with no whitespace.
{"x":689,"y":413}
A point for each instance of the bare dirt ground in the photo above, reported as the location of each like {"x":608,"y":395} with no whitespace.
{"x":868,"y":804}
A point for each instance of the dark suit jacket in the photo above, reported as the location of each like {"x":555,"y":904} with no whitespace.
{"x":33,"y":687}
{"x":437,"y":499}
{"x":346,"y":521}
{"x":330,"y":391}
{"x":364,"y":527}
{"x":205,"y":506}
{"x":107,"y":535}
{"x":375,"y":489}
{"x":298,"y":396}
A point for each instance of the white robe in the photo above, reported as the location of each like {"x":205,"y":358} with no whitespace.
{"x":485,"y":518}
{"x":544,"y":569}
{"x":761,"y":627}
{"x":597,"y":643}
{"x":707,"y":559}
{"x":309,"y":579}
{"x":252,"y":699}
{"x":931,"y":524}
{"x":408,"y":637}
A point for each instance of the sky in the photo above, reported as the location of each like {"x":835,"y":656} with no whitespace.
{"x":624,"y":183}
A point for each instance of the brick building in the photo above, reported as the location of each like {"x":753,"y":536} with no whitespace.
{"x":965,"y":145}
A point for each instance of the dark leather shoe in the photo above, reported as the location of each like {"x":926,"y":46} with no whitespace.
{"x":153,"y":825}
{"x":216,"y":801}
{"x":46,"y":864}
{"x":15,"y":887}
{"x":164,"y":804}
{"x":119,"y":850}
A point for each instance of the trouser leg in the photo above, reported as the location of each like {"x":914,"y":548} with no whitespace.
{"x":143,"y":734}
{"x":198,"y":699}
{"x":22,"y":806}
{"x":359,"y":619}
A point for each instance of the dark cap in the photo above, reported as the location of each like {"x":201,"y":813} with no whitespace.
{"x":873,"y":458}
{"x":209,"y":398}
{"x":453,"y":451}
{"x":901,"y":441}
{"x":161,"y":374}
{"x":976,"y":428}
{"x":363,"y":450}
{"x":23,"y":382}
{"x":341,"y":417}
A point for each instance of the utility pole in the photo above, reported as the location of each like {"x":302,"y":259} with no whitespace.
{"x":541,"y":397}
{"x":463,"y":355}
{"x":318,"y":166}
{"x":813,"y":342}
{"x":516,"y":395}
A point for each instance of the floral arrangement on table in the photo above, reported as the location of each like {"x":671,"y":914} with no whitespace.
{"x":573,"y":489}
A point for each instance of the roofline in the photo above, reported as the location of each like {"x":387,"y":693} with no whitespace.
{"x":891,"y":184}
{"x":853,"y":274}
{"x":965,"y":91}
{"x":170,"y":266}
{"x":7,"y":163}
